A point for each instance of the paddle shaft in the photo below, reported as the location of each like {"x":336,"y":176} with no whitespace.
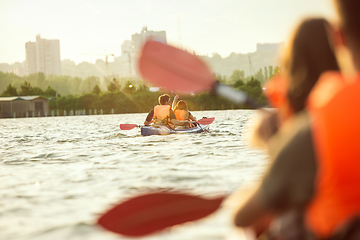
{"x":233,"y":95}
{"x":129,"y":126}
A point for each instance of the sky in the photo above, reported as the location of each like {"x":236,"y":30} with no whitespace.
{"x":87,"y":27}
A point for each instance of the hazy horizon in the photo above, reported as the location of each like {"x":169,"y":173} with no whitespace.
{"x":97,"y":27}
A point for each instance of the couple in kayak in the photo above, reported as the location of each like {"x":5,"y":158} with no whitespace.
{"x":177,"y":117}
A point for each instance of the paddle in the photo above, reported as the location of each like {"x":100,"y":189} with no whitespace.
{"x":128,"y":126}
{"x":203,"y":121}
{"x":206,"y":121}
{"x":146,"y":214}
{"x":177,"y":70}
{"x":174,"y":102}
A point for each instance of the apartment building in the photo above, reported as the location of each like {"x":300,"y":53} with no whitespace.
{"x":43,"y":56}
{"x":138,"y":39}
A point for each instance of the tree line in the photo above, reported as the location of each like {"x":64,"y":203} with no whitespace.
{"x":123,"y":95}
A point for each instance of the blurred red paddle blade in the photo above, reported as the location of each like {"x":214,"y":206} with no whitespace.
{"x":127,"y":126}
{"x":146,"y":214}
{"x":174,"y":69}
{"x":206,"y":121}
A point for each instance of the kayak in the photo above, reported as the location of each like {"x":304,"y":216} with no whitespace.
{"x":202,"y":125}
{"x":165,"y":130}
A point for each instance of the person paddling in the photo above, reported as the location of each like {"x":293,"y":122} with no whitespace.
{"x":288,"y":93}
{"x":163,"y":114}
{"x":308,"y":55}
{"x":321,"y":151}
{"x":182,"y":113}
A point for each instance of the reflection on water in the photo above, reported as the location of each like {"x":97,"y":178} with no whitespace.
{"x":59,"y":173}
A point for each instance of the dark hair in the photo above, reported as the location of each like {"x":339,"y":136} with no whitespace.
{"x":349,"y":17}
{"x":181,"y":105}
{"x":163,"y":99}
{"x":308,"y":56}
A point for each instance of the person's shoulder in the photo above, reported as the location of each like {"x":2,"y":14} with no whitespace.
{"x":296,"y":129}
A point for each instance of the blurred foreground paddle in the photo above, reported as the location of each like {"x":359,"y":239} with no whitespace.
{"x":206,"y":121}
{"x":152,"y":212}
{"x":203,"y":121}
{"x":128,"y":126}
{"x":177,"y":70}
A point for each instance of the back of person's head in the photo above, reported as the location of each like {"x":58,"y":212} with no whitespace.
{"x":181,"y":105}
{"x":348,"y":11}
{"x":349,"y":23}
{"x":308,"y":55}
{"x":163,"y":99}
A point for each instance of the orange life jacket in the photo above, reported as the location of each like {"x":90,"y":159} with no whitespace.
{"x":276,"y":89}
{"x":182,"y":115}
{"x":334,"y":108}
{"x":161,"y":114}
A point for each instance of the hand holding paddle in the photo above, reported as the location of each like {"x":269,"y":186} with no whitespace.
{"x":177,"y":70}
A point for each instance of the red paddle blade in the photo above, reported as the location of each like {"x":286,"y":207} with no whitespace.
{"x":128,"y":126}
{"x":152,"y":212}
{"x":206,"y":121}
{"x":174,"y":69}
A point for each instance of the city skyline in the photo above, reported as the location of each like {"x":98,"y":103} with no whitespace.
{"x":93,"y":27}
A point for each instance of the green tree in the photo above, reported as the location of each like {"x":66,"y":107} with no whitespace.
{"x":266,"y":73}
{"x":96,"y":90}
{"x":10,"y":91}
{"x":89,"y":83}
{"x":271,"y":71}
{"x":128,"y":88}
{"x":142,"y":88}
{"x":253,"y":83}
{"x":259,"y":76}
{"x":36,"y":91}
{"x":50,"y":92}
{"x":75,"y":85}
{"x":236,"y":75}
{"x":9,"y":78}
{"x":107,"y":101}
{"x":254,"y":90}
{"x":238,"y":83}
{"x":218,"y":77}
{"x":68,"y":102}
{"x":25,"y":89}
{"x":114,"y":85}
{"x":40,"y":80}
{"x":88,"y":100}
{"x":216,"y":56}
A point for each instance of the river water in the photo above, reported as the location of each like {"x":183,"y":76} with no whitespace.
{"x":58,"y":174}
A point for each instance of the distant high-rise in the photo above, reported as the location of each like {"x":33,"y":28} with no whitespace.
{"x":138,"y":39}
{"x":126,"y":47}
{"x":43,"y":56}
